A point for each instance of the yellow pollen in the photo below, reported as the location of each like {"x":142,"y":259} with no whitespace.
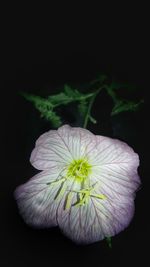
{"x":79,"y":170}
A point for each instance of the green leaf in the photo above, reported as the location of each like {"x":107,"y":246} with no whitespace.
{"x":58,"y":99}
{"x":68,"y":90}
{"x":69,"y":95}
{"x":115,"y":86}
{"x":82,"y":108}
{"x":92,"y":119}
{"x":84,"y":101}
{"x":38,"y":101}
{"x":72,"y":93}
{"x":53,"y":118}
{"x":45,"y":107}
{"x":123,"y":105}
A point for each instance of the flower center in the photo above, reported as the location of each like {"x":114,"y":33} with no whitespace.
{"x":79,"y":169}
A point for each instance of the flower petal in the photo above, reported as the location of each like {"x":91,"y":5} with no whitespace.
{"x":36,"y":199}
{"x":43,"y":202}
{"x":81,"y":224}
{"x":115,"y":167}
{"x":112,"y":151}
{"x":118,"y":205}
{"x":114,"y":216}
{"x":95,"y":220}
{"x":115,"y":176}
{"x":57,"y":148}
{"x":116,"y":181}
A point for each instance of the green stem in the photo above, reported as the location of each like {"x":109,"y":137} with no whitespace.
{"x":111,"y":92}
{"x":73,"y":100}
{"x":91,"y":102}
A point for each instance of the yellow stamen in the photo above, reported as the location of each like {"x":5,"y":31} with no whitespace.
{"x":85,"y":194}
{"x":79,"y":170}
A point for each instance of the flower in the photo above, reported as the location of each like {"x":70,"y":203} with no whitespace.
{"x":87,"y":185}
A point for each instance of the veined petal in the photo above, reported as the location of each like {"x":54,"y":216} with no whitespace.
{"x":114,"y":215}
{"x":36,"y":199}
{"x":50,"y":151}
{"x":112,"y":151}
{"x":115,"y":181}
{"x":81,"y":224}
{"x":115,"y":166}
{"x":115,"y":175}
{"x":87,"y":187}
{"x":96,"y":220}
{"x":118,"y":201}
{"x":57,"y":148}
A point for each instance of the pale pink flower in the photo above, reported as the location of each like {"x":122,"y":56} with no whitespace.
{"x":87,"y":185}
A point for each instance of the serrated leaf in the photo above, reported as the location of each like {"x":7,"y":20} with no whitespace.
{"x":54,"y":119}
{"x":38,"y":101}
{"x":73,"y":93}
{"x":115,"y":86}
{"x":45,"y":107}
{"x":68,"y":90}
{"x":69,"y":95}
{"x":124,"y":105}
{"x":82,"y":108}
{"x":49,"y":114}
{"x":57,"y":99}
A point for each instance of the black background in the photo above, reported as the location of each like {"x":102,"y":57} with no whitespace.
{"x":40,"y":60}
